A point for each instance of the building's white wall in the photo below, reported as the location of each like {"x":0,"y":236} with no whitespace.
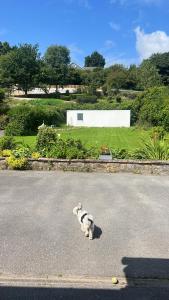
{"x":99,"y":118}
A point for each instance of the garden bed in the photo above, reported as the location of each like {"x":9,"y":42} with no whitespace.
{"x":82,"y":165}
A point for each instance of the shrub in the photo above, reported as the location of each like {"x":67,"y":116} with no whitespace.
{"x":3,"y":121}
{"x":154,"y":149}
{"x":17,"y":163}
{"x":6,"y":153}
{"x":66,"y":97}
{"x":157,"y":133}
{"x":120,"y":153}
{"x":35,"y":155}
{"x":46,"y":139}
{"x":20,"y":152}
{"x":15,"y":128}
{"x":86,"y":99}
{"x":2,"y":94}
{"x":7,"y":142}
{"x":25,"y":119}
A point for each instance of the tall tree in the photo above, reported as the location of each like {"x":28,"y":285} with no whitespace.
{"x":95,"y":60}
{"x":57,"y":59}
{"x":148,"y":75}
{"x":20,"y":67}
{"x":5,"y":48}
{"x":161,"y":62}
{"x":116,"y":77}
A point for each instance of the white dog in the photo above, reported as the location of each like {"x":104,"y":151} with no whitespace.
{"x":85,"y":220}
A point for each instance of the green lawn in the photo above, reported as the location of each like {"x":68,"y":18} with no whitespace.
{"x":129,"y":138}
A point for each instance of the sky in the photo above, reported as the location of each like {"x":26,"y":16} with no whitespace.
{"x":123,"y":31}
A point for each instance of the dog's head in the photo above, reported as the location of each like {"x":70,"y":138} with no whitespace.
{"x":77,"y":208}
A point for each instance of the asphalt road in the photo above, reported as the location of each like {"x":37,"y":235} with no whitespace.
{"x":40,"y":236}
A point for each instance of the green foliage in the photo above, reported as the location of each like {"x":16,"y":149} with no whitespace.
{"x":22,"y":151}
{"x":86,"y":99}
{"x":3,"y":121}
{"x":15,"y":128}
{"x":154,"y":149}
{"x":95,"y":60}
{"x":157,"y":133}
{"x":120,"y":153}
{"x":50,"y":145}
{"x":148,"y":75}
{"x":25,"y":119}
{"x":56,"y":60}
{"x":161,"y":62}
{"x":46,"y":138}
{"x":7,"y":142}
{"x":2,"y":95}
{"x":116,"y":77}
{"x":20,"y":66}
{"x":152,"y":107}
{"x":5,"y":48}
{"x":17,"y":163}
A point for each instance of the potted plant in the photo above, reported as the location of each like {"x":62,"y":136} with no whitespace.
{"x":105,"y":153}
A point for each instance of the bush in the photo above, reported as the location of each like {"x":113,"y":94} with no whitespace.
{"x":35,"y":155}
{"x":25,"y":119}
{"x":46,"y":139}
{"x":2,"y":94}
{"x":7,"y":142}
{"x":66,"y":97}
{"x":120,"y":153}
{"x":15,"y":128}
{"x":3,"y":121}
{"x":154,"y":149}
{"x":86,"y":99}
{"x":157,"y":133}
{"x":17,"y":163}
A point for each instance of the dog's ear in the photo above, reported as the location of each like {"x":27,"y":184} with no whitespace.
{"x":79,"y":205}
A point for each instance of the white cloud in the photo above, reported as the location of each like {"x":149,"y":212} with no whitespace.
{"x":147,"y":44}
{"x":114,"y":26}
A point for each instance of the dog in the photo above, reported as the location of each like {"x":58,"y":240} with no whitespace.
{"x":85,"y":220}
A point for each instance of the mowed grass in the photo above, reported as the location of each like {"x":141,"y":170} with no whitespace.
{"x":128,"y":138}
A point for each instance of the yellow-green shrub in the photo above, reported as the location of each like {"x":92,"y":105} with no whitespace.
{"x":6,"y":153}
{"x":17,"y":163}
{"x":36,"y":155}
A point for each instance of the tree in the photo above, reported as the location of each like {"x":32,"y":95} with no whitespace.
{"x":95,"y":60}
{"x":5,"y":48}
{"x":161,"y":62}
{"x":116,"y":77}
{"x":132,"y":78}
{"x":20,"y":66}
{"x":57,"y":59}
{"x":148,"y":75}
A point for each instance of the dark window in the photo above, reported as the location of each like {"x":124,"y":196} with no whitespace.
{"x":80,"y":117}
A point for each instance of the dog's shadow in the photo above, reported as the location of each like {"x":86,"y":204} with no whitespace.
{"x":97,"y":232}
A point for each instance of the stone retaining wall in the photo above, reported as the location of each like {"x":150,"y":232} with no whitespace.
{"x":112,"y":166}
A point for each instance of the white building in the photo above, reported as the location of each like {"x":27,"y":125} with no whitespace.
{"x":98,"y":118}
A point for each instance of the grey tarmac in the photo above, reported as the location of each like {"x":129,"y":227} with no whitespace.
{"x":40,"y":237}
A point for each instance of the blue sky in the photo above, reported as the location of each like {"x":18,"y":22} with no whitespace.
{"x":124,"y":31}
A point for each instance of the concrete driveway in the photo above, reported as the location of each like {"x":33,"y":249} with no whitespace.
{"x":40,"y":236}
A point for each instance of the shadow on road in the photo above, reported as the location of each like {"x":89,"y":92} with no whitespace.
{"x":97,"y":232}
{"x":134,"y":267}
